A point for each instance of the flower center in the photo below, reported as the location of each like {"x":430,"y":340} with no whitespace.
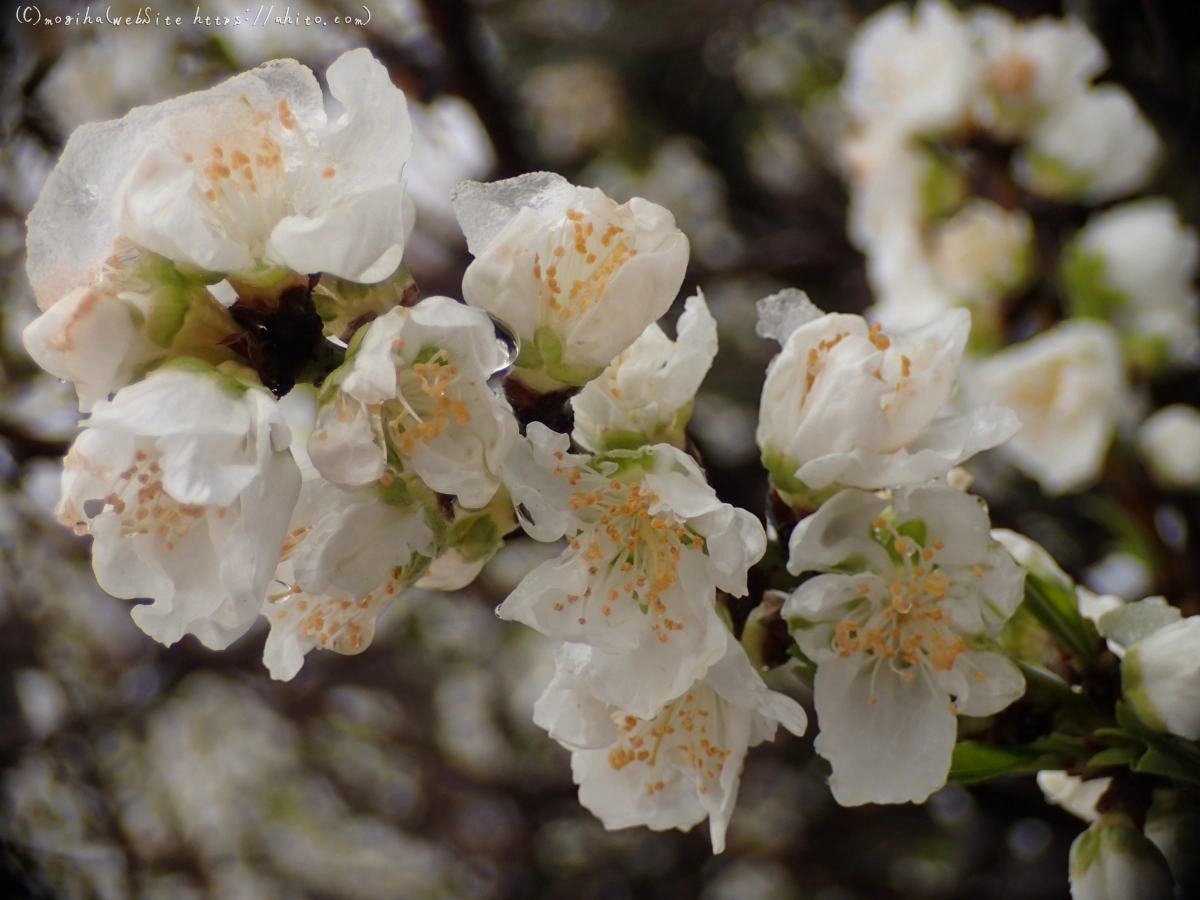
{"x":580,"y":259}
{"x":633,"y":555}
{"x":903,"y":624}
{"x":144,"y":507}
{"x":428,"y":399}
{"x":684,"y":735}
{"x":243,"y":183}
{"x":337,"y":621}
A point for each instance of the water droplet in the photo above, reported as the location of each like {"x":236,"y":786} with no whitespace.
{"x":498,"y":615}
{"x":508,"y":341}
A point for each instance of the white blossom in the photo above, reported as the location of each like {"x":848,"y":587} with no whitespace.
{"x":888,"y":623}
{"x":103,"y":336}
{"x":1112,"y":860}
{"x":845,"y":404}
{"x":649,"y":545}
{"x":348,"y":554}
{"x":186,"y":483}
{"x":575,"y":275}
{"x":645,"y":395}
{"x":1066,"y":386}
{"x":1169,"y":442}
{"x":678,"y":764}
{"x":1135,"y":264}
{"x":912,"y":73}
{"x":1072,"y":793}
{"x":243,"y":178}
{"x":1030,"y":69}
{"x":1160,"y":678}
{"x":1095,"y":148}
{"x":415,"y":384}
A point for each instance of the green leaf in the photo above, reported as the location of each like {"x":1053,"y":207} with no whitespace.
{"x":1172,"y":758}
{"x":1115,"y":756}
{"x":1055,"y":607}
{"x":974,"y":762}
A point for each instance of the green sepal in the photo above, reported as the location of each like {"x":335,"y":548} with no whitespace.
{"x":1086,"y":289}
{"x":1056,"y":609}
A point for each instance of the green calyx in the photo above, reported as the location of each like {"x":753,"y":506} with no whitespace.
{"x":344,"y":305}
{"x":540,"y":366}
{"x":943,"y":189}
{"x":672,"y":432}
{"x":1134,"y":692}
{"x":1050,"y":178}
{"x":781,"y":470}
{"x":1086,"y":289}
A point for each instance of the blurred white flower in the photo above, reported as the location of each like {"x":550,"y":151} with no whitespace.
{"x":888,"y":174}
{"x":1072,"y":793}
{"x":1031,"y":68}
{"x":576,"y":276}
{"x":141,"y":311}
{"x":887,"y":625}
{"x":1160,"y":678}
{"x":650,"y":544}
{"x":679,"y":763}
{"x":415,"y":385}
{"x":1135,"y":264}
{"x":1112,"y":860}
{"x":450,"y":145}
{"x":912,"y":72}
{"x":1169,"y":442}
{"x":242,"y":178}
{"x":983,"y":253}
{"x":348,"y":554}
{"x":186,"y":482}
{"x":645,"y":395}
{"x":844,"y":404}
{"x":1096,"y":147}
{"x":575,"y":106}
{"x":1066,"y":386}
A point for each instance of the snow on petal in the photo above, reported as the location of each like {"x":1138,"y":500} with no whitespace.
{"x":208,"y":179}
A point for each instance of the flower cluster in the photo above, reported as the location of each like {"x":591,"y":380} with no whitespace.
{"x":201,"y":264}
{"x":278,"y":425}
{"x":652,"y":694}
{"x":905,"y":590}
{"x":966,"y":129}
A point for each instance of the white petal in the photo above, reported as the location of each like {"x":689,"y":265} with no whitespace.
{"x":893,"y":750}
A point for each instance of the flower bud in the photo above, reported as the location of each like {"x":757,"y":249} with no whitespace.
{"x":1112,"y":860}
{"x":1160,"y":678}
{"x":645,"y":396}
{"x":1169,"y":442}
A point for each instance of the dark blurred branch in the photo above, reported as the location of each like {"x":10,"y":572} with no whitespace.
{"x":25,"y":445}
{"x":453,"y":21}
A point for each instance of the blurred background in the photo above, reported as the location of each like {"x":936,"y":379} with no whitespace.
{"x":413,"y":770}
